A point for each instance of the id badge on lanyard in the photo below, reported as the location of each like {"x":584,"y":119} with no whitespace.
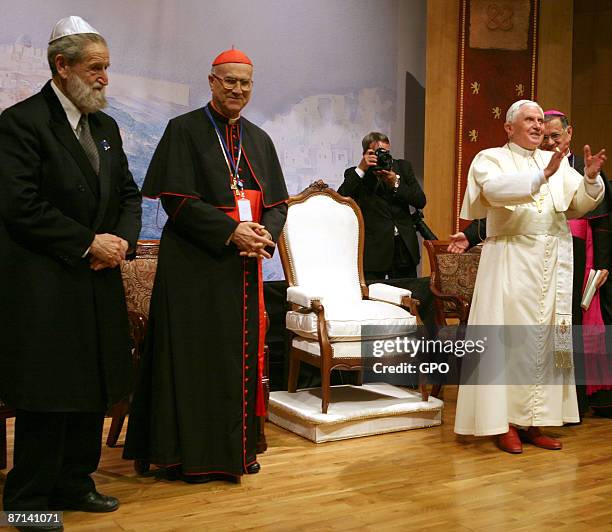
{"x":244,"y":210}
{"x":244,"y":205}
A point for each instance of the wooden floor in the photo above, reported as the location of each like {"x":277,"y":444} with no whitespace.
{"x":417,"y":480}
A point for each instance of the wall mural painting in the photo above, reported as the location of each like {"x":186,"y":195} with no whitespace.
{"x":315,"y":112}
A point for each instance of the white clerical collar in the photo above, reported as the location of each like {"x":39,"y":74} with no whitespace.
{"x":230,"y":121}
{"x":72,"y":111}
{"x":520,"y":151}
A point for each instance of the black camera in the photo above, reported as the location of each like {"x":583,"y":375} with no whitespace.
{"x":421,"y":226}
{"x":384,"y":160}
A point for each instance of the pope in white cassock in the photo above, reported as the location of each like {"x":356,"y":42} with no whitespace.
{"x":524,"y":283}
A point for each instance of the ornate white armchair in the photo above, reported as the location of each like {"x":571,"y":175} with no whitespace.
{"x":321,"y":250}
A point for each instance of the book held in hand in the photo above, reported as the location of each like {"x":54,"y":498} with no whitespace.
{"x":589,"y":288}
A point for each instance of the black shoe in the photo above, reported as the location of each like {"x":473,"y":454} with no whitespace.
{"x":253,"y":468}
{"x":172,"y":473}
{"x":195,"y":479}
{"x":209,"y":477}
{"x":91,"y":502}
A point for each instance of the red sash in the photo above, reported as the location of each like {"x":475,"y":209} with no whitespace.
{"x":255,"y":197}
{"x":593,"y":327}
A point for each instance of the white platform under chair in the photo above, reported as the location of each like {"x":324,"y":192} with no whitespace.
{"x":354,"y":411}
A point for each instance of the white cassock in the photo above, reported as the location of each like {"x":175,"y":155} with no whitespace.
{"x":524,"y":279}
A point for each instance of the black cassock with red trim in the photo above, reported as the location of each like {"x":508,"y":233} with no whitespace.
{"x":199,"y":390}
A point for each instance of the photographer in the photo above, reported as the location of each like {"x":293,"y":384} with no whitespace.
{"x":385,"y":188}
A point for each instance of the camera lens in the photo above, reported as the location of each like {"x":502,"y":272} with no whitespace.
{"x":384,"y":160}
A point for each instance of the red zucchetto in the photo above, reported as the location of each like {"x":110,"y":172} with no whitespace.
{"x":232,"y":56}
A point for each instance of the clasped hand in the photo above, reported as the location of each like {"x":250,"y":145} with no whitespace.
{"x":107,"y":251}
{"x":252,"y":239}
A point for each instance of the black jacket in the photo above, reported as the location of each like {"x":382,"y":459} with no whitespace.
{"x":384,"y":208}
{"x":64,"y":342}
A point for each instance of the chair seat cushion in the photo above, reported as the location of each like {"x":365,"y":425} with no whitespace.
{"x":345,"y":321}
{"x":339,"y":349}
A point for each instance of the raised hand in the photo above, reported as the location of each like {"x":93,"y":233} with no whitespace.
{"x":368,"y":160}
{"x":593,"y":163}
{"x":555,"y":161}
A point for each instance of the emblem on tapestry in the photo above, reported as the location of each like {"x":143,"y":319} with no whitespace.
{"x":500,"y":25}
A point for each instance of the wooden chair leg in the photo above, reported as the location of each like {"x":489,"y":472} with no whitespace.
{"x":262,"y":444}
{"x":294,"y":371}
{"x":325,"y":388}
{"x":118,"y":412}
{"x":423,"y":387}
{"x":424,"y":392}
{"x":3,"y":444}
{"x":437,"y":389}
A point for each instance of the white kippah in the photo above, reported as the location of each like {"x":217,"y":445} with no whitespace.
{"x":517,"y":105}
{"x":72,"y":25}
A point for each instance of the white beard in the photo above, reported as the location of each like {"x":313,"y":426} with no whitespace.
{"x":88,"y":99}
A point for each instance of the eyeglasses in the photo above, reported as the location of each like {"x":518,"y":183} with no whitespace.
{"x":555,"y":137}
{"x":231,"y":83}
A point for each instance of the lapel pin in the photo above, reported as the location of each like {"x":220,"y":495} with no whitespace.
{"x":105,"y":145}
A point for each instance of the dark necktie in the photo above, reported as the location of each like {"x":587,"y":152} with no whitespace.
{"x":88,"y":143}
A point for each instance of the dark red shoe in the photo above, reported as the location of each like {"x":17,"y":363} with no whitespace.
{"x":510,"y":441}
{"x":534,"y":436}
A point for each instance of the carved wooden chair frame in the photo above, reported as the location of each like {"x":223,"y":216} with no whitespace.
{"x":326,"y":362}
{"x":447,"y":305}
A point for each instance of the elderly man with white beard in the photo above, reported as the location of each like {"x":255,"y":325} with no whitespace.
{"x":523,"y":290}
{"x":69,"y":214}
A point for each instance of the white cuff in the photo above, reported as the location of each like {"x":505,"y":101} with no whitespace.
{"x":593,"y":186}
{"x":537,"y":181}
{"x":359,"y":171}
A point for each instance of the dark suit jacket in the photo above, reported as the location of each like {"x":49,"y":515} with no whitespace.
{"x":64,"y":341}
{"x":383,"y":209}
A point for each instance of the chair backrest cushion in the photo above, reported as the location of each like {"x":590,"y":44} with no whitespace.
{"x":457,"y":273}
{"x":322,"y":240}
{"x":138,"y":276}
